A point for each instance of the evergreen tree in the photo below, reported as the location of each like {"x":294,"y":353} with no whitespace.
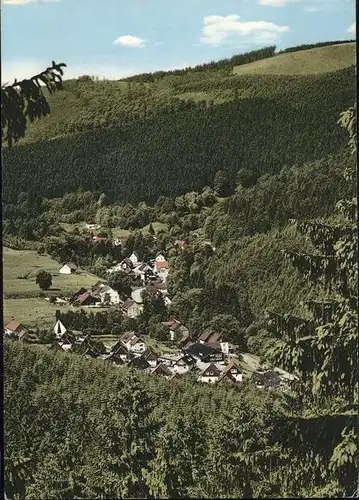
{"x":221,"y":183}
{"x":122,"y":452}
{"x":151,"y":229}
{"x":322,"y":348}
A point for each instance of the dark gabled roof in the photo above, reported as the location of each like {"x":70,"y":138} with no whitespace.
{"x":233,"y":364}
{"x":128,"y":304}
{"x":83,"y":297}
{"x":211,"y":367}
{"x":150,"y":354}
{"x":139,"y":362}
{"x":127,"y":261}
{"x":114,"y":357}
{"x":226,"y":377}
{"x":119,"y":348}
{"x":210,"y":337}
{"x":269,"y":378}
{"x":187,"y":358}
{"x":161,"y":369}
{"x":134,"y":340}
{"x":201,"y":350}
{"x":127,"y":336}
{"x":67,"y":338}
{"x":204,"y":337}
{"x":55,"y":345}
{"x":175,"y":376}
{"x":90,"y":352}
{"x":71,"y":265}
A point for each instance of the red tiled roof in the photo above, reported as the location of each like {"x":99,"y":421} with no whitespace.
{"x":179,"y":243}
{"x":83,"y":297}
{"x":162,"y":265}
{"x":15,"y":326}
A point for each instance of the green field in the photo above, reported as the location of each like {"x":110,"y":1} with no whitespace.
{"x":117,"y":232}
{"x":317,"y":60}
{"x":29,"y":308}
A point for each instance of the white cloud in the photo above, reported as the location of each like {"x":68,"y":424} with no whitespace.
{"x":230,"y":30}
{"x":130,"y":41}
{"x":352,"y":28}
{"x":276,"y":3}
{"x":25,"y":2}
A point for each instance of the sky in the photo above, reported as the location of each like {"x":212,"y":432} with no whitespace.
{"x":116,"y":38}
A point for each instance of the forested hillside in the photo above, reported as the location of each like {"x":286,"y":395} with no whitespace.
{"x":110,"y":432}
{"x":137,"y":141}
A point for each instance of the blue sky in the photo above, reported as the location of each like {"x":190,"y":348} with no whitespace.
{"x":116,"y":38}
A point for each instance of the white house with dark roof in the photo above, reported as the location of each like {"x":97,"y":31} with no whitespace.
{"x":69,"y":268}
{"x":134,"y":258}
{"x":210,"y":374}
{"x":131,"y":308}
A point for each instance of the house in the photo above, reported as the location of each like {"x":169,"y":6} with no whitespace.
{"x":62,"y":346}
{"x":67,"y":339}
{"x":161,"y":266}
{"x":179,"y":244}
{"x":150,"y":356}
{"x":143,"y":270}
{"x":226,"y":377}
{"x":184,"y":364}
{"x":210,"y":374}
{"x":89,"y":347}
{"x":14,"y":329}
{"x":139,"y":362}
{"x":121,"y":350}
{"x":159,"y":290}
{"x":234,"y":370}
{"x":162,"y":371}
{"x":109,"y":296}
{"x":133,"y":343}
{"x":114,"y":358}
{"x":137,"y":346}
{"x":69,"y":268}
{"x":125,"y":265}
{"x":86,"y":299}
{"x":79,"y":292}
{"x":177,"y":331}
{"x":168,"y":359}
{"x":210,"y":337}
{"x":131,"y":308}
{"x":134,"y":258}
{"x":267,"y":380}
{"x":204,"y":353}
{"x":136,"y":295}
{"x":175,"y":376}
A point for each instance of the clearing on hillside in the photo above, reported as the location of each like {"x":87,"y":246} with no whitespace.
{"x":21,"y":266}
{"x":311,"y":61}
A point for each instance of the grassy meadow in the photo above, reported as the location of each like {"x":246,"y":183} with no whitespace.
{"x":21,"y":293}
{"x":317,"y":60}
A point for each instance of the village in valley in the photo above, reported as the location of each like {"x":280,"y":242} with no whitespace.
{"x":208,"y":357}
